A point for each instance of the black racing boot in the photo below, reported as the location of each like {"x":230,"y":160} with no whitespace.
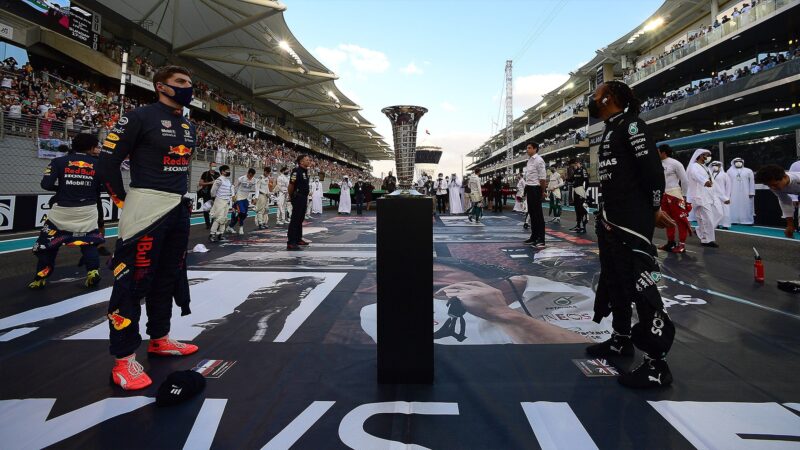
{"x":616,"y":345}
{"x":652,"y":373}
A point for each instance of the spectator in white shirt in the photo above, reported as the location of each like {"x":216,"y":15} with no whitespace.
{"x":535,"y":190}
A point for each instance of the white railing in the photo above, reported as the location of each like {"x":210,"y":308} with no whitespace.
{"x":758,"y":13}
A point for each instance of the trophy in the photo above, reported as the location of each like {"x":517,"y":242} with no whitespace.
{"x":404,"y":128}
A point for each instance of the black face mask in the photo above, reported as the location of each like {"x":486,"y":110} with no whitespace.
{"x":594,"y":109}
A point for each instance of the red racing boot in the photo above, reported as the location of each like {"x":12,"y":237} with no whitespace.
{"x":170,"y":347}
{"x":129,"y":374}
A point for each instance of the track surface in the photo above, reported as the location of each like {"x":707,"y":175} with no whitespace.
{"x":299,"y":329}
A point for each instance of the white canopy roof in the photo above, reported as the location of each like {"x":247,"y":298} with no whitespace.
{"x":249,"y":42}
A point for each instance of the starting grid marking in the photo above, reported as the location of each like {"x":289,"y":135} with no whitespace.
{"x":22,"y":244}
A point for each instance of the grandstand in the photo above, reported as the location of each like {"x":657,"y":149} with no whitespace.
{"x":260,"y":97}
{"x":716,"y":74}
{"x":426,"y":160}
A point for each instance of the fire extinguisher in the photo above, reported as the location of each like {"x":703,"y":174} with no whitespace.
{"x":758,"y":267}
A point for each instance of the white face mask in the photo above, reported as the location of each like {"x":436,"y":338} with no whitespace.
{"x":738,"y":165}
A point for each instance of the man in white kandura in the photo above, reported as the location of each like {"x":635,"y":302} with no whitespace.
{"x":722,"y":187}
{"x":707,"y":208}
{"x":282,"y":191}
{"x":456,"y":202}
{"x":345,"y":206}
{"x":743,"y":190}
{"x":316,"y":196}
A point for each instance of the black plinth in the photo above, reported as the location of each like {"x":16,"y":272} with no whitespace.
{"x":405,"y":290}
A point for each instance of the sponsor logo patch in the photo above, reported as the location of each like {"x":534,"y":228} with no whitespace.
{"x":213,"y":368}
{"x":118,"y":322}
{"x":185,"y":126}
{"x":596,"y":367}
{"x":166,"y":124}
{"x":180,"y":150}
{"x":633,"y":129}
{"x":109,"y":144}
{"x":112,"y":137}
{"x":123,"y":120}
{"x":81,"y":164}
{"x":119,"y":268}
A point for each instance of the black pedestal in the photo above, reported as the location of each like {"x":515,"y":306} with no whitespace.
{"x":405,"y":290}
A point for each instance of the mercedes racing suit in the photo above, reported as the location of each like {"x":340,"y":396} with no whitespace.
{"x":631,"y":183}
{"x":150,"y":256}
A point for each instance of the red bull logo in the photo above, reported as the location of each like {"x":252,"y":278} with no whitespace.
{"x":143,"y":248}
{"x":81,"y":164}
{"x":118,"y":322}
{"x":180,"y":150}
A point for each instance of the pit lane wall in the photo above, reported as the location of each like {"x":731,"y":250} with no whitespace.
{"x":23,"y":203}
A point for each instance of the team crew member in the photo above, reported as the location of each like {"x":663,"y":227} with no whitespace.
{"x":580,"y":184}
{"x":204,"y":189}
{"x":282,"y":191}
{"x":673,"y":202}
{"x":475,"y":196}
{"x":73,"y":217}
{"x":632,"y":182}
{"x":308,"y":204}
{"x":783,"y":184}
{"x":150,"y":257}
{"x":389,"y":183}
{"x":359,"y":191}
{"x":245,"y":188}
{"x":707,"y":209}
{"x":298,"y":192}
{"x":554,"y":183}
{"x":101,"y":222}
{"x":519,"y":196}
{"x":441,"y":194}
{"x":264,"y":186}
{"x":222,"y":191}
{"x":535,"y":184}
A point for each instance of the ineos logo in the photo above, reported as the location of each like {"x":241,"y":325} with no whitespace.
{"x":658,"y":324}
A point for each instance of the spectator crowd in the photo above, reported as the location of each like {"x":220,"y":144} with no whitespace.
{"x":48,"y":104}
{"x":723,"y":77}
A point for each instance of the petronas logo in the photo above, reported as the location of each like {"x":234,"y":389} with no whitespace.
{"x":633,"y":129}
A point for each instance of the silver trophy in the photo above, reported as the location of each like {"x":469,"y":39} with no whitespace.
{"x":404,"y":128}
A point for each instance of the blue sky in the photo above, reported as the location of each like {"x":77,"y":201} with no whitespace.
{"x":449,"y":56}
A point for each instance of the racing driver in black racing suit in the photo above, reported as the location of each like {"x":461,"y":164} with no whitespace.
{"x":631,"y":185}
{"x":150,"y":255}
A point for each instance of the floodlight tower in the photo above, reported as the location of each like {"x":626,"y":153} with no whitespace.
{"x":509,"y":117}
